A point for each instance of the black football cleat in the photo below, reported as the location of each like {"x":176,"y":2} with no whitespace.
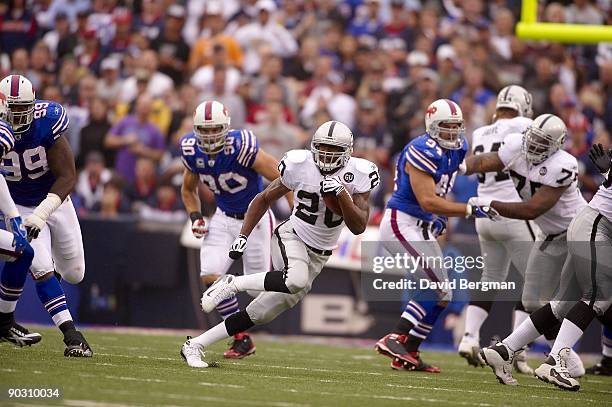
{"x":242,"y":346}
{"x":603,"y":368}
{"x":76,"y":345}
{"x":422,"y":366}
{"x":20,"y":336}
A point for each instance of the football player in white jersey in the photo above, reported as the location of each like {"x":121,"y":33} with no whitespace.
{"x":501,"y":241}
{"x":303,"y":243}
{"x":585,"y":292}
{"x":545,"y":177}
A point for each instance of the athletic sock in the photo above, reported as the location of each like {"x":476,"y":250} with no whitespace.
{"x":475,"y":316}
{"x":413,"y":313}
{"x":52,"y":296}
{"x":606,"y":342}
{"x":253,"y":282}
{"x":12,"y":280}
{"x":228,"y":307}
{"x":573,"y":326}
{"x":421,"y":330}
{"x":519,"y":317}
{"x":524,"y":334}
{"x":236,"y":323}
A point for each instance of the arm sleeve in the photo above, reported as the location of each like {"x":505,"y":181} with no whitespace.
{"x":248,"y":147}
{"x":424,"y":159}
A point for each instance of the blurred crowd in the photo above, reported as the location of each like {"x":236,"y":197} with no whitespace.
{"x":130,"y":73}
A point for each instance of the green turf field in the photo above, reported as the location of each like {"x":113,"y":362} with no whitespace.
{"x":146,"y":370}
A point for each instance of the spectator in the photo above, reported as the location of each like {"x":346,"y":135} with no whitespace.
{"x":165,"y":206}
{"x":540,"y":83}
{"x":367,"y":20}
{"x":372,"y":140}
{"x":112,"y":203}
{"x":149,"y":22}
{"x":212,"y":34}
{"x":69,"y":8}
{"x":473,"y":85}
{"x":275,"y":134}
{"x":202,"y":78}
{"x":88,"y":52}
{"x":265,"y":30}
{"x":20,"y":65}
{"x":450,"y":79}
{"x":399,"y":25}
{"x":172,"y":49}
{"x":158,"y":85}
{"x":18,"y":27}
{"x":582,"y":12}
{"x":142,"y":188}
{"x":121,"y":40}
{"x":272,"y":94}
{"x":109,"y":85}
{"x":232,"y":101}
{"x":503,"y":33}
{"x":60,"y":31}
{"x":272,"y":73}
{"x":93,"y":134}
{"x":91,"y":181}
{"x":135,"y":136}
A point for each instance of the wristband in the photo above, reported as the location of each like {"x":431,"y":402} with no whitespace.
{"x":48,"y":206}
{"x":195,"y":216}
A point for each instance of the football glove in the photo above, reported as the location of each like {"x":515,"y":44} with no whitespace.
{"x":479,"y":208}
{"x":601,"y":158}
{"x":33,"y":225}
{"x":199,"y":226}
{"x":20,"y":236}
{"x":331,"y":185}
{"x":438,"y":225}
{"x":238,"y":247}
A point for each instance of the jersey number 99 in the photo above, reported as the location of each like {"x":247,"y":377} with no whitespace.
{"x":34,"y":160}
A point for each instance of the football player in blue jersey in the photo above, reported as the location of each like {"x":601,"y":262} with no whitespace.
{"x":415,"y":216}
{"x":231,"y":164}
{"x":40,"y":173}
{"x":15,"y":250}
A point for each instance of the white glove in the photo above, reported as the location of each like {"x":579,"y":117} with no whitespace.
{"x":199,"y":226}
{"x":331,"y":185}
{"x":480,"y":208}
{"x":33,"y":224}
{"x":462,"y":168}
{"x":238,"y":247}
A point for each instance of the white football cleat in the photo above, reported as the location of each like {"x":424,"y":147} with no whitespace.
{"x":222,"y":289}
{"x":520,"y":362}
{"x":499,"y":358}
{"x":554,"y":370}
{"x":192,"y":354}
{"x":575,"y":367}
{"x":469,"y":348}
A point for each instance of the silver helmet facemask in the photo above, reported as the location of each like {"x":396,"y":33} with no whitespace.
{"x":330,"y":161}
{"x":455,"y":142}
{"x":538,"y":145}
{"x":211,"y":142}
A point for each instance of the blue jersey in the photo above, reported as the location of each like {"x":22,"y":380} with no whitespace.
{"x":425,"y":154}
{"x":26,"y":168}
{"x":229,"y":176}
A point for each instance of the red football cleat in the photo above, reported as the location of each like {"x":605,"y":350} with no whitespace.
{"x":392,"y":345}
{"x":399,"y":364}
{"x":242,"y":346}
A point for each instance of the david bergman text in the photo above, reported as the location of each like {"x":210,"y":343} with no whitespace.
{"x":446,"y":285}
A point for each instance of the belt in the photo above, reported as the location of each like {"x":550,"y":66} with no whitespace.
{"x":239,"y":216}
{"x":315,"y":250}
{"x":550,"y":238}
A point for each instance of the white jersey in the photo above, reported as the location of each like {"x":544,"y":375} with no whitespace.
{"x":558,"y":170}
{"x":602,"y":201}
{"x":312,"y":221}
{"x":486,"y":139}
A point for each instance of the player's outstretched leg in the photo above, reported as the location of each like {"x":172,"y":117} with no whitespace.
{"x":12,"y":280}
{"x":242,"y":344}
{"x":51,"y":295}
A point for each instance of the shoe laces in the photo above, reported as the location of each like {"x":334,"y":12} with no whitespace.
{"x":192,"y":350}
{"x":19,"y":329}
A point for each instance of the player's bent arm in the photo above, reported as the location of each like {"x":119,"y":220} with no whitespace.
{"x":61,"y":164}
{"x":356,"y":211}
{"x":7,"y":206}
{"x":487,"y":162}
{"x":544,"y":199}
{"x":267,"y":166}
{"x":261,"y":203}
{"x":424,"y":189}
{"x":189,"y":192}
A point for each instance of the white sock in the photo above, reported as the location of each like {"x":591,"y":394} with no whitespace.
{"x":525,"y":333}
{"x":474,"y":318}
{"x":6,"y":307}
{"x":213,"y":335}
{"x":254,"y":282}
{"x":519,"y":317}
{"x":568,"y":335}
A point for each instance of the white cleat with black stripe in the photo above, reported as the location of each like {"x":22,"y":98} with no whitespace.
{"x":20,"y":336}
{"x":222,"y":289}
{"x":500,"y":358}
{"x":554,"y":371}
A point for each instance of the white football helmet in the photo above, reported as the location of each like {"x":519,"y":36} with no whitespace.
{"x":516,"y":98}
{"x":332,"y":133}
{"x":21,"y":97}
{"x":438,"y":116}
{"x":211,"y":122}
{"x":543,"y":138}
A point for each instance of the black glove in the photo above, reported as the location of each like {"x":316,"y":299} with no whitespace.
{"x":601,"y":158}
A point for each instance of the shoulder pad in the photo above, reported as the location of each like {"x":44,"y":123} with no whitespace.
{"x":561,"y":169}
{"x":297,"y":156}
{"x":364,"y":166}
{"x":55,"y":115}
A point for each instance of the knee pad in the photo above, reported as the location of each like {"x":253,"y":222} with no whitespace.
{"x":297,"y":282}
{"x":74,"y":274}
{"x":258,"y":313}
{"x":532,"y":305}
